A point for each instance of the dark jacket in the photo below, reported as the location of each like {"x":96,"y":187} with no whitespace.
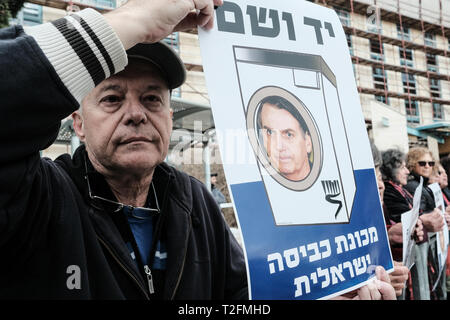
{"x":446,"y":193}
{"x":49,"y":231}
{"x":395,"y":203}
{"x":427,"y":203}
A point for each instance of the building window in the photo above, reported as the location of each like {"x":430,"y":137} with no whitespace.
{"x":374,"y":26}
{"x":379,"y":78}
{"x":349,"y":43}
{"x":406,"y":57}
{"x":382,"y":99}
{"x":432,"y":62}
{"x":173,"y":40}
{"x":430,"y":39}
{"x":435,"y":88}
{"x":409,"y":83}
{"x":29,"y":15}
{"x":412,"y":111}
{"x":376,"y":51}
{"x":405,"y":35}
{"x":100,"y":3}
{"x":438,"y":111}
{"x":343,"y":15}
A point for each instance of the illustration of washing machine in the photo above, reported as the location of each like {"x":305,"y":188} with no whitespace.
{"x":296,"y":130}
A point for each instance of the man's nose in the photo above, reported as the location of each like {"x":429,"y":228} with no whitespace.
{"x":135,"y":113}
{"x":280,"y":143}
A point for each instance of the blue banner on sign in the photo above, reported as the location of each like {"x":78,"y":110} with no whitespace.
{"x":311,"y":261}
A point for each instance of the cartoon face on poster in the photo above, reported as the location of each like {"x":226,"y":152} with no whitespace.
{"x":306,"y":200}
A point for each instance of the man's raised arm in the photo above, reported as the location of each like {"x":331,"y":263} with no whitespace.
{"x":47,"y":70}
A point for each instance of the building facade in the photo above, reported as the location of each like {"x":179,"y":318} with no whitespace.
{"x":399,"y":51}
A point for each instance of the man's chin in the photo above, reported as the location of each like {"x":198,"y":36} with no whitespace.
{"x":293,"y":175}
{"x":285,"y":171}
{"x":137,"y":162}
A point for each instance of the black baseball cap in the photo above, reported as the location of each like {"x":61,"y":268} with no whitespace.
{"x":163,"y":57}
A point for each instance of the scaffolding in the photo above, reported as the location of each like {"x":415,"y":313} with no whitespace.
{"x":396,"y":16}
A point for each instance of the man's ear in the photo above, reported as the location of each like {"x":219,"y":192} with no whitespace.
{"x":78,"y":125}
{"x":308,"y":143}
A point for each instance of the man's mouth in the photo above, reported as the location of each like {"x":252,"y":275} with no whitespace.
{"x":135,"y":139}
{"x":284,"y":159}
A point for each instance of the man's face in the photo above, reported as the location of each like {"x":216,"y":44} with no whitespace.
{"x":126,"y":121}
{"x":286,"y":144}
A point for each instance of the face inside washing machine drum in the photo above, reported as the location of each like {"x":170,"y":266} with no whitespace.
{"x":284,"y":137}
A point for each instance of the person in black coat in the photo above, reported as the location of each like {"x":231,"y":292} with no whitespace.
{"x":113,"y":221}
{"x":397,"y":199}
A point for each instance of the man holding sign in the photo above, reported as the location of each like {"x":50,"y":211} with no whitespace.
{"x":114,"y":221}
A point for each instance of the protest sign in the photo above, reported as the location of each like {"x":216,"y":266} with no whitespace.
{"x":409,"y":221}
{"x":294,"y":148}
{"x":441,"y":236}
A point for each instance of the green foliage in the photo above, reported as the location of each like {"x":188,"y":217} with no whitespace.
{"x":8,"y":9}
{"x":4,"y":13}
{"x":15,"y":6}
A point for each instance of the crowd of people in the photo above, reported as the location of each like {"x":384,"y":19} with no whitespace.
{"x":398,"y":176}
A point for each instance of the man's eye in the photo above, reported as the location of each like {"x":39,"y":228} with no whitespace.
{"x":152,"y":98}
{"x":111,"y":99}
{"x":269,"y":132}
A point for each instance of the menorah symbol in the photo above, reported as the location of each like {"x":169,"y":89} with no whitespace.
{"x":332,"y":190}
